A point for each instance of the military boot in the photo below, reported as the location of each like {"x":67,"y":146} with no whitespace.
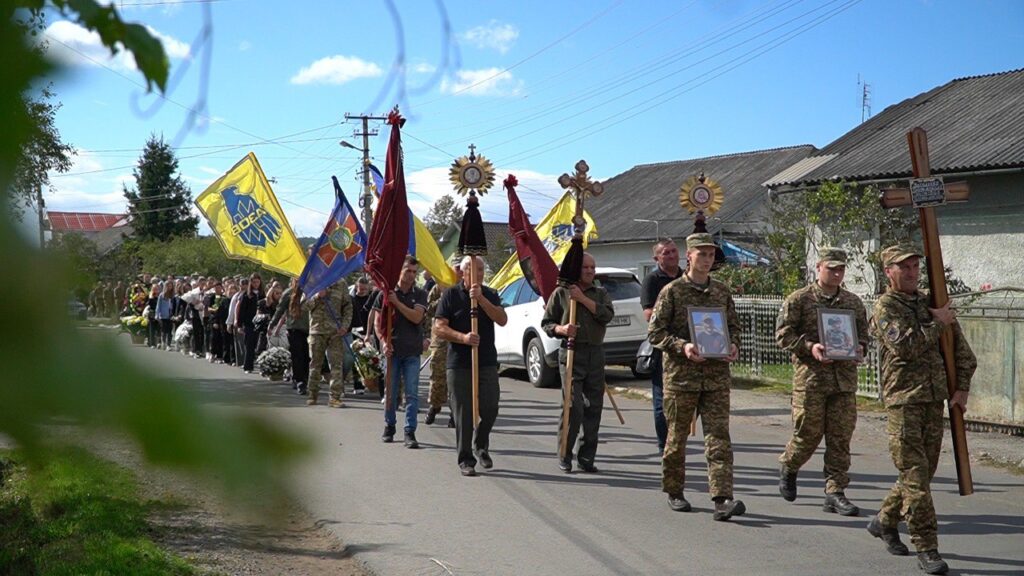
{"x":787,"y":483}
{"x":311,"y":400}
{"x":431,"y":415}
{"x":931,"y":562}
{"x":838,"y":504}
{"x":726,"y":508}
{"x":336,"y":403}
{"x":678,"y":503}
{"x":890,"y":536}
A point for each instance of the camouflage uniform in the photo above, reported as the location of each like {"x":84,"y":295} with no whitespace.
{"x":824,"y":395}
{"x":109,"y":300}
{"x":439,"y":354}
{"x":691,"y":386}
{"x":324,"y":337}
{"x":914,"y":389}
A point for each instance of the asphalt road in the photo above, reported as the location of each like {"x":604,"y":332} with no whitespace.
{"x":408,"y":512}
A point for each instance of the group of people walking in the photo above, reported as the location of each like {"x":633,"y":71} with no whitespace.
{"x":688,"y":381}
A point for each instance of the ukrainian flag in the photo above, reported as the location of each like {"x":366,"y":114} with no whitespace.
{"x":555,"y":230}
{"x":422,"y":245}
{"x":244,"y":215}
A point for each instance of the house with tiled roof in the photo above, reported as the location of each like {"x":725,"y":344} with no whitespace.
{"x":975,"y":128}
{"x":642,"y":204}
{"x":105,"y":230}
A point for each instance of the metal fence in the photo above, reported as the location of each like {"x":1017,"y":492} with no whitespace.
{"x":760,"y":356}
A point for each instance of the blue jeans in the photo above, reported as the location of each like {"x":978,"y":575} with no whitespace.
{"x":405,"y":369}
{"x":657,"y":396}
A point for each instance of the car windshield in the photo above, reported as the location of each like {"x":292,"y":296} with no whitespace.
{"x":620,"y":287}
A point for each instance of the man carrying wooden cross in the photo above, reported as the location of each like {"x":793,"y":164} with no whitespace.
{"x":914,"y":389}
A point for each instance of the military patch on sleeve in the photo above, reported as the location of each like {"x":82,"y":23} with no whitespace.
{"x":892,"y":333}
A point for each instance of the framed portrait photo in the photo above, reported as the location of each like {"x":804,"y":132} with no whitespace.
{"x":709,"y":331}
{"x":837,"y":331}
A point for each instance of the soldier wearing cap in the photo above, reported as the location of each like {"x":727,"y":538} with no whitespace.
{"x":438,"y":395}
{"x":824,"y":400}
{"x":695,"y":383}
{"x":914,"y":389}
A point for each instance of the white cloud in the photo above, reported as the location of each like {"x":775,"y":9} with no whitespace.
{"x":485,"y":82}
{"x":537,"y":191}
{"x":494,"y":36}
{"x":76,"y":46}
{"x":210,"y":170}
{"x":422,"y":68}
{"x":336,"y":70}
{"x":244,"y":46}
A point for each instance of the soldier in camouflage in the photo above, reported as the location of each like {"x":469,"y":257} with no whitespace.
{"x":695,"y":383}
{"x":330,"y":314}
{"x":438,"y":357}
{"x":824,"y":390}
{"x":913,"y":389}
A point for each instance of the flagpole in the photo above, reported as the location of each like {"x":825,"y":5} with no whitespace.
{"x":570,"y":358}
{"x":474,"y":311}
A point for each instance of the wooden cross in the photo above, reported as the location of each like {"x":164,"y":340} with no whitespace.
{"x":953,"y":192}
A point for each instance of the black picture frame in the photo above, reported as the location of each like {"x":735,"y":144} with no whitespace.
{"x":709,"y":331}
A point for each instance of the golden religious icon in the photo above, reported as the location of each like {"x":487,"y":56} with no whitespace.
{"x":471,"y":173}
{"x":701,"y":194}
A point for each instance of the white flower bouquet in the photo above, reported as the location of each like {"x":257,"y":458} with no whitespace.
{"x":274,"y":361}
{"x":183,"y":337}
{"x":369,"y":360}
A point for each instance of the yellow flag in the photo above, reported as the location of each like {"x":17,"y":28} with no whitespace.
{"x":555,"y":231}
{"x":245,"y":216}
{"x":429,"y":254}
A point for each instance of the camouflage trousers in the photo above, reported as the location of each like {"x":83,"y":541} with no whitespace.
{"x":331,"y":346}
{"x":915,"y":440}
{"x":828,"y":414}
{"x":713,"y":406}
{"x":438,"y":373}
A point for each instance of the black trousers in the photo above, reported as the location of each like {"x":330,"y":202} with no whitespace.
{"x":216,"y":339}
{"x":229,"y":346}
{"x":460,"y":398}
{"x":298,"y":345}
{"x":166,"y":332}
{"x":251,"y":336}
{"x":197,"y":335}
{"x":153,"y":329}
{"x":587,"y":399}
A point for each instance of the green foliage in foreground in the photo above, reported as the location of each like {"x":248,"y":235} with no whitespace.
{"x":76,"y":515}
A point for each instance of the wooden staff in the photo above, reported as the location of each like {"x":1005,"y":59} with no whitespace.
{"x":473,"y":313}
{"x":615,"y":405}
{"x":570,"y":356}
{"x":387,"y":362}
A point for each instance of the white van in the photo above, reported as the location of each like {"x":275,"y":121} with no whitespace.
{"x":521,"y":342}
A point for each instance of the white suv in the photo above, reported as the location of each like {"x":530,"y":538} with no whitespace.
{"x":522,"y":342}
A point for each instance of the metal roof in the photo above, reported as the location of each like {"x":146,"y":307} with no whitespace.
{"x":83,"y":221}
{"x":973,"y":124}
{"x":651,"y":192}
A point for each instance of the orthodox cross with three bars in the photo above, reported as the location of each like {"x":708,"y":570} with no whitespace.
{"x":924,"y":193}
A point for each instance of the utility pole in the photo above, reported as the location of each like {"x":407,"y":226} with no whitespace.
{"x":40,"y":206}
{"x":367,"y":199}
{"x":865,"y":99}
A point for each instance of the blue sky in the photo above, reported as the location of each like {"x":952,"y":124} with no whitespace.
{"x":534,"y":85}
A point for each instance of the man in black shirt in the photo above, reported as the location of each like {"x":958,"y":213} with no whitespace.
{"x":666,"y":254}
{"x":403,"y":351}
{"x":452,"y":323}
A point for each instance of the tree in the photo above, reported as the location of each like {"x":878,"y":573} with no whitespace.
{"x":160,"y":203}
{"x":40,"y":154}
{"x":833,"y":214}
{"x":445,"y":212}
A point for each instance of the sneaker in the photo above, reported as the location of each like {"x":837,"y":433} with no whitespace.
{"x":301,"y":389}
{"x":485,"y":459}
{"x":787,"y":483}
{"x":335,"y":403}
{"x":431,"y":415}
{"x":565,"y":465}
{"x":931,"y":562}
{"x":890,"y":536}
{"x":389,"y":435}
{"x":678,"y":503}
{"x":410,"y":440}
{"x":467,"y":469}
{"x":587,"y":467}
{"x":838,"y":504}
{"x":359,"y":391}
{"x":726,"y":508}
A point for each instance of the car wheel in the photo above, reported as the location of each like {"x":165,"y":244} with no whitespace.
{"x":537,"y":370}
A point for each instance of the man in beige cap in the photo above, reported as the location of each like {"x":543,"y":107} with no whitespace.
{"x":914,"y":389}
{"x":824,"y":390}
{"x":695,"y":383}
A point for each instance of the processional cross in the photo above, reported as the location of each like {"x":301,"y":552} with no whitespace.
{"x":924,"y":193}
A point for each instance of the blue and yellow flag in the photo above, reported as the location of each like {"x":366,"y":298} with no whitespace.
{"x":245,"y":216}
{"x":340,"y":250}
{"x":422,"y":245}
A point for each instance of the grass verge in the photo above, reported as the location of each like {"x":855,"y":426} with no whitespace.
{"x":76,"y":514}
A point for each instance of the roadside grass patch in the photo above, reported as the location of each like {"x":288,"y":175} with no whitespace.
{"x":77,"y":514}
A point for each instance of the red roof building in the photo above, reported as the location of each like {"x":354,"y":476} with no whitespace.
{"x":64,"y":222}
